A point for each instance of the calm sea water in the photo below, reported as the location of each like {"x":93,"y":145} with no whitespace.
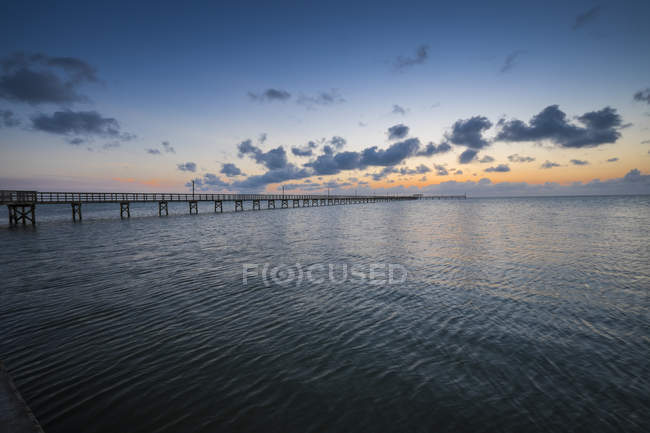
{"x":516,"y":315}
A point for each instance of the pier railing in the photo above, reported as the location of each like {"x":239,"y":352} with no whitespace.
{"x":118,"y":197}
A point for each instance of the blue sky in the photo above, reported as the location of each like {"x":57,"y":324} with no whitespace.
{"x":195,"y":74}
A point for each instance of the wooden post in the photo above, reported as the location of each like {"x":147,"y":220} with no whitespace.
{"x":270,"y":204}
{"x":194,"y":207}
{"x":124,"y":209}
{"x":76,"y":211}
{"x":256,"y":205}
{"x":239,"y":205}
{"x":162,"y":206}
{"x":218,"y":204}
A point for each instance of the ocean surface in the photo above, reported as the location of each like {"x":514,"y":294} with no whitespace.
{"x":511,"y":315}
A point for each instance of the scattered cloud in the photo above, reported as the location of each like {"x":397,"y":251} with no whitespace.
{"x":518,"y":158}
{"x":586,"y":17}
{"x":469,"y":132}
{"x":277,"y":175}
{"x":85,"y":123}
{"x":486,"y":159}
{"x":307,"y":150}
{"x":270,"y":95}
{"x":209,"y":182}
{"x":467,"y":156}
{"x":397,"y":132}
{"x":273,"y":159}
{"x":8,"y":119}
{"x":338,"y":142}
{"x":168,"y":148}
{"x":262,"y":138}
{"x":420,"y":169}
{"x":511,"y":61}
{"x":643,"y":96}
{"x":398,"y":109}
{"x":501,"y":168}
{"x":153,"y":151}
{"x":612,"y":159}
{"x":441,"y":170}
{"x":231,"y":170}
{"x":188,"y":166}
{"x":551,"y":124}
{"x":458,"y":172}
{"x":645,"y":142}
{"x":431,"y":149}
{"x":404,"y":62}
{"x":330,"y":97}
{"x":549,"y":164}
{"x":39,"y":79}
{"x":394,"y":154}
{"x":579,"y":162}
{"x":382,"y":174}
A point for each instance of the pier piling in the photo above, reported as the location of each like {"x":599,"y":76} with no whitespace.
{"x":76,"y":211}
{"x":162,"y":206}
{"x":125,"y":211}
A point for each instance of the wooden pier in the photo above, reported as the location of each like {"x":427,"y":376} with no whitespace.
{"x":22,"y":204}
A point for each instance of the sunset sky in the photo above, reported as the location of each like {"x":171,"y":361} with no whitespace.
{"x":485,"y":98}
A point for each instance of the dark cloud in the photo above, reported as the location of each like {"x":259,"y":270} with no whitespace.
{"x":231,"y":170}
{"x":330,"y":97}
{"x":77,"y":141}
{"x":404,"y":62}
{"x":338,"y":142}
{"x":579,"y":162}
{"x":168,"y":148}
{"x":431,"y":149}
{"x":329,"y":163}
{"x":8,"y":119}
{"x":586,"y":17}
{"x":469,"y":132}
{"x":511,"y":61}
{"x":383,"y":173}
{"x":209,"y":182}
{"x":288,"y":172}
{"x":458,"y":172}
{"x":153,"y":151}
{"x":270,"y":95}
{"x":394,"y":154}
{"x":188,"y":166}
{"x":486,"y":159}
{"x":467,"y":156}
{"x":501,"y":168}
{"x":517,"y":158}
{"x":441,"y":170}
{"x":397,"y":132}
{"x":600,"y":127}
{"x":306,"y":150}
{"x":420,"y":169}
{"x":643,"y":96}
{"x":645,"y":142}
{"x":80,"y":123}
{"x":397,"y":109}
{"x":262,"y":138}
{"x":38,"y":78}
{"x":273,"y":159}
{"x":549,"y":164}
{"x":612,"y":159}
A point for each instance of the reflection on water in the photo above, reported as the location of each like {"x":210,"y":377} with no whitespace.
{"x":517,"y":315}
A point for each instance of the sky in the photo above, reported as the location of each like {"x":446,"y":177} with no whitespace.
{"x":505,"y":98}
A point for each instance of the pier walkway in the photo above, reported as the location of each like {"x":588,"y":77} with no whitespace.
{"x":22,"y":204}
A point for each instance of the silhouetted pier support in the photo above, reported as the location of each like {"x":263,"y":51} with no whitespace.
{"x":239,"y":205}
{"x":162,"y":207}
{"x":76,"y":211}
{"x":22,"y":214}
{"x":194,"y":207}
{"x":330,"y":202}
{"x":305,"y":203}
{"x":270,"y":204}
{"x":285,"y":203}
{"x":256,"y":205}
{"x":296,"y":203}
{"x":125,"y":211}
{"x":218,"y":204}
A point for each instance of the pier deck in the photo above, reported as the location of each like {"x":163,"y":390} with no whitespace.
{"x":22,"y":204}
